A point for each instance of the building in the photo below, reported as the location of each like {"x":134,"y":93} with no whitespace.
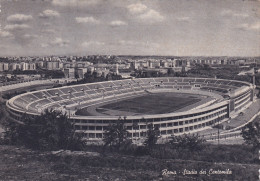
{"x":69,"y":73}
{"x":40,"y":64}
{"x":1,"y":67}
{"x":81,"y":72}
{"x":91,"y":69}
{"x":32,"y":66}
{"x":60,"y":65}
{"x":6,"y":66}
{"x":24,"y":66}
{"x":13,"y":66}
{"x":52,"y":65}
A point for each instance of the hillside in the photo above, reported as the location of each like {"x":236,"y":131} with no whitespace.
{"x":23,"y":164}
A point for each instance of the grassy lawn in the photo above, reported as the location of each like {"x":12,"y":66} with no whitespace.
{"x":158,"y":103}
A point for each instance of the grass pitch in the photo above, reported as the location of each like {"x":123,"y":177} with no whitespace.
{"x":156,"y":103}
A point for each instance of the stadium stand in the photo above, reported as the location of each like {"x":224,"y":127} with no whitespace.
{"x":70,"y":98}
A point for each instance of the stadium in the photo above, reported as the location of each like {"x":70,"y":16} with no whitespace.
{"x":178,"y":105}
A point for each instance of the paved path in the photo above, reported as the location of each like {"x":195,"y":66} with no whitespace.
{"x":240,"y":120}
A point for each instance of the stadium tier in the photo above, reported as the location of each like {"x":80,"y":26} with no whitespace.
{"x":222,"y":99}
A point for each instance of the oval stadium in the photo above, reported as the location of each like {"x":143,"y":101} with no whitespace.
{"x":178,"y":105}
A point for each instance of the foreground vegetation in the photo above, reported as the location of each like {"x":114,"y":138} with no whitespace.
{"x":23,"y":164}
{"x":186,"y":157}
{"x":52,"y":130}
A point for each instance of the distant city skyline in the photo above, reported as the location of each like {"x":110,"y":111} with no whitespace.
{"x":130,"y":27}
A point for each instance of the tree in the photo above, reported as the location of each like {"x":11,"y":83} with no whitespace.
{"x":135,"y":127}
{"x":170,"y":72}
{"x":115,"y":134}
{"x":52,"y":130}
{"x":153,"y":134}
{"x":251,"y":134}
{"x":187,"y":142}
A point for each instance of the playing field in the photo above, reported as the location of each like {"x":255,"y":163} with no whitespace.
{"x":155,"y":103}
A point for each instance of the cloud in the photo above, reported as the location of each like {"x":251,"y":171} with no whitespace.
{"x":19,"y":18}
{"x":228,"y":12}
{"x":78,"y":3}
{"x":132,"y":43}
{"x":137,"y":8}
{"x":16,"y":27}
{"x":29,"y":36}
{"x":59,"y":42}
{"x":183,"y":19}
{"x":89,"y":19}
{"x":254,"y":26}
{"x":44,"y":45}
{"x":49,"y":14}
{"x":5,"y":34}
{"x":118,"y":23}
{"x":152,"y":16}
{"x":145,"y":14}
{"x":48,"y":31}
{"x":92,"y":43}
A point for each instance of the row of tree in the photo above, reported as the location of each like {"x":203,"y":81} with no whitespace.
{"x":116,"y":135}
{"x":52,"y":130}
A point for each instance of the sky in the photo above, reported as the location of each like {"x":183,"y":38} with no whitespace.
{"x":130,"y":27}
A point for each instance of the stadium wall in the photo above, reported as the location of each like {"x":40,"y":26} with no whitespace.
{"x":172,"y":123}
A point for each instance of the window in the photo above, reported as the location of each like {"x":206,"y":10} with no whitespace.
{"x":92,"y":135}
{"x":169,"y":131}
{"x":142,"y":126}
{"x":99,"y":135}
{"x":157,"y":119}
{"x":163,"y":125}
{"x":84,"y":127}
{"x":98,"y":127}
{"x":135,"y":134}
{"x":143,"y":134}
{"x":169,"y":124}
{"x":91,"y":127}
{"x":77,"y":127}
{"x":163,"y":132}
{"x":129,"y":121}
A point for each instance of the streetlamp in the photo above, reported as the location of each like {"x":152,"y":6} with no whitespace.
{"x":135,"y":126}
{"x":218,"y":130}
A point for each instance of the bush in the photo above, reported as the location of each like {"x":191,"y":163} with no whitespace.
{"x":115,"y":135}
{"x":187,"y":142}
{"x":251,"y":134}
{"x":153,"y":134}
{"x":50,"y":131}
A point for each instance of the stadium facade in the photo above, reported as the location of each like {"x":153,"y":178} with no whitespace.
{"x":229,"y":98}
